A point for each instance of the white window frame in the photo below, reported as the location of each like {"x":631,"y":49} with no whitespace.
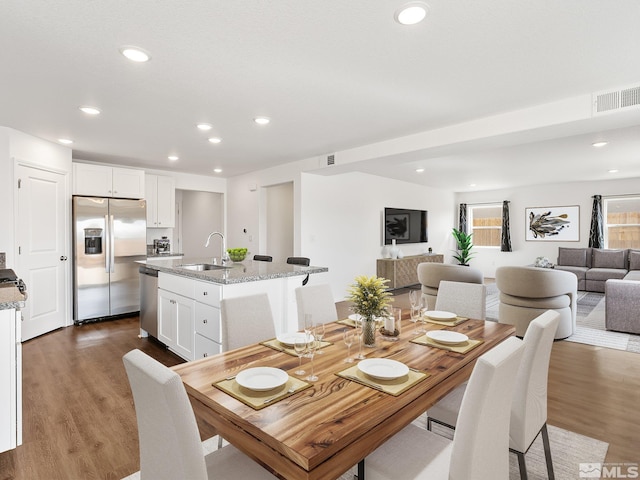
{"x":605,"y":212}
{"x":471,"y":228}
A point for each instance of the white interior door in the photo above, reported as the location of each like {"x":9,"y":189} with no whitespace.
{"x":42,"y":249}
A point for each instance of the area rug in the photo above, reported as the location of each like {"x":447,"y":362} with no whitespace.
{"x":589,"y":322}
{"x":568,"y":451}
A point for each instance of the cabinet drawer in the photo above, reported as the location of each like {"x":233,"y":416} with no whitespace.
{"x":208,"y":293}
{"x":208,"y":321}
{"x":176,"y":284}
{"x":205,"y":347}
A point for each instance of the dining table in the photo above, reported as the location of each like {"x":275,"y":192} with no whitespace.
{"x":327,"y":426}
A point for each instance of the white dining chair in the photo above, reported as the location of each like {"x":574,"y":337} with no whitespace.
{"x":318,"y":301}
{"x":480,"y":443}
{"x":529,"y":406}
{"x":246,"y":320}
{"x":170,"y":446}
{"x":463,"y":299}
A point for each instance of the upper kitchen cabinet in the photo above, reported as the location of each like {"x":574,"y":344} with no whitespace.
{"x":161,"y":199}
{"x":101,"y":181}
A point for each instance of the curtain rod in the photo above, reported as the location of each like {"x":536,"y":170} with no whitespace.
{"x":484,"y":203}
{"x":622,"y":195}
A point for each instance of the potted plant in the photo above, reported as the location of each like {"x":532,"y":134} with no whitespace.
{"x":464,"y":246}
{"x":370,"y":300}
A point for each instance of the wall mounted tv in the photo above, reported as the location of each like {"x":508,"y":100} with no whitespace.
{"x":405,"y":225}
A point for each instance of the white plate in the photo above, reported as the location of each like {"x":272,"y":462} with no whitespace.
{"x":383,"y":368}
{"x":440,"y":315}
{"x":262,"y":378}
{"x":289,"y":339}
{"x":446,"y":337}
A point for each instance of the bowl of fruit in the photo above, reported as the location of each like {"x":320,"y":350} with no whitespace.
{"x":237,"y":254}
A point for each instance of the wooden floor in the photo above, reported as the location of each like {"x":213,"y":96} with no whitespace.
{"x":79,"y":420}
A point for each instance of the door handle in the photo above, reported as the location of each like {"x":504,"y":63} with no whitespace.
{"x":63,"y":258}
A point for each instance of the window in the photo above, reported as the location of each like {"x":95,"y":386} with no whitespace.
{"x":622,"y":222}
{"x":486,"y":224}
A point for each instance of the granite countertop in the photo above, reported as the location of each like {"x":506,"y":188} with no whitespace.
{"x":239,"y":272}
{"x":164,"y":255}
{"x":10,"y":297}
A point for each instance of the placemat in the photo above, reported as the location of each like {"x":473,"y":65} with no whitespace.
{"x":447,"y":323}
{"x":392,"y":387}
{"x":464,"y":348}
{"x":276,"y":345}
{"x":259,"y":400}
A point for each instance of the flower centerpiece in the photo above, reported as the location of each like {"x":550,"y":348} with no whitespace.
{"x":370,"y":300}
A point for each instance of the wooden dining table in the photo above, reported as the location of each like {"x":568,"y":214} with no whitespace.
{"x":322,"y":431}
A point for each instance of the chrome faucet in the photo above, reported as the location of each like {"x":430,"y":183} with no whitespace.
{"x":224,"y":258}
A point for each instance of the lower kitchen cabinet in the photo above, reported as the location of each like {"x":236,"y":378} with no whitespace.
{"x":10,"y":379}
{"x":176,"y":317}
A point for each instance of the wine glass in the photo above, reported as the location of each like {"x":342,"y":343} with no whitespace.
{"x":358,"y":332}
{"x":319,"y":333}
{"x":416,"y":306}
{"x":300,"y":346}
{"x":312,"y":346}
{"x":348,"y":336}
{"x":308,"y":327}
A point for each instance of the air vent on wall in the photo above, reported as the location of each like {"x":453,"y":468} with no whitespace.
{"x":612,"y":100}
{"x":331,"y":159}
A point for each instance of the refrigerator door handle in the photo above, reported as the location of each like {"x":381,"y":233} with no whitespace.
{"x":112,"y":245}
{"x":107,"y":250}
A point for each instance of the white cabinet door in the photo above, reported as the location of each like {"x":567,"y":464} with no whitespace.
{"x":161,"y":199}
{"x":95,"y":180}
{"x":176,"y":323}
{"x":10,"y":387}
{"x":167,"y":317}
{"x":128,"y":183}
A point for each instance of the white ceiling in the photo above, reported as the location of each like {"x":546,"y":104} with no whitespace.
{"x":333,"y":75}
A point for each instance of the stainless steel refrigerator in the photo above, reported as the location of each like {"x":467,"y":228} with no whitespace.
{"x":109,"y":235}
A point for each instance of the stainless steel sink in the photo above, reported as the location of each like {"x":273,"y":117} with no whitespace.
{"x":201,"y":267}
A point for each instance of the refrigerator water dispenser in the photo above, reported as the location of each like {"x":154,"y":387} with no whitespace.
{"x":92,"y":241}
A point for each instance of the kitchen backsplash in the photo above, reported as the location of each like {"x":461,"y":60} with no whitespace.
{"x":3,"y":260}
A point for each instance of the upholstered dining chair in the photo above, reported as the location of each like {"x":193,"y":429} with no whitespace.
{"x":318,"y":301}
{"x":431,"y":274}
{"x":464,"y":299}
{"x":529,"y":406}
{"x":170,"y":446}
{"x":304,"y":261}
{"x":263,"y":258}
{"x":480,"y":445}
{"x":246,"y":320}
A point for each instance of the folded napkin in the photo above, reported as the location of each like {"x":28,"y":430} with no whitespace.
{"x":449,"y":323}
{"x":259,"y":400}
{"x":462,"y":348}
{"x":276,"y":345}
{"x":393,"y":387}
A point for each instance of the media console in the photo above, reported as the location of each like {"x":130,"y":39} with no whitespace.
{"x":403,"y":272}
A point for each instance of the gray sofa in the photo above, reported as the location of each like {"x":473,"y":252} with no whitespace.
{"x":594,"y":266}
{"x":622,"y":299}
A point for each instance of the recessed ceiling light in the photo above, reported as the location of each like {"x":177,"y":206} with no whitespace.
{"x":66,"y":141}
{"x":599,"y":144}
{"x":204,"y":127}
{"x":173,"y":158}
{"x":419,"y":170}
{"x":613,"y":170}
{"x":411,"y":13}
{"x":217,"y":170}
{"x":472,"y":184}
{"x":215,"y":140}
{"x":90,"y":110}
{"x":135,"y":54}
{"x":261,"y":120}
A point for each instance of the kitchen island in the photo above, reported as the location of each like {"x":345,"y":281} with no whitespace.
{"x":189,"y":298}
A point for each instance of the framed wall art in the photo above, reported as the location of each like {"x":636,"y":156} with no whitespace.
{"x":555,"y":224}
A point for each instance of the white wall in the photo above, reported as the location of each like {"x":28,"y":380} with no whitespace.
{"x":202,"y":213}
{"x":279,"y":228}
{"x":556,"y":194}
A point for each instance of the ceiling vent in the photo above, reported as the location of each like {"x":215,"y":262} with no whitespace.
{"x":331,"y":159}
{"x":613,"y":100}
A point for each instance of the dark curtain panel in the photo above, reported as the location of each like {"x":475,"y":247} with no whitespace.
{"x":462,"y":223}
{"x":505,"y":239}
{"x":596,"y":234}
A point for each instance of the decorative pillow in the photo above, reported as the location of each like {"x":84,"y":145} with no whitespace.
{"x":572,"y":257}
{"x":634,"y":259}
{"x":609,"y":258}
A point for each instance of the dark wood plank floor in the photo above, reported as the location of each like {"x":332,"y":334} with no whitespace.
{"x":79,"y":419}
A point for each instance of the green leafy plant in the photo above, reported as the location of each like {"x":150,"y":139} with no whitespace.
{"x":369,"y":296}
{"x":463,"y":245}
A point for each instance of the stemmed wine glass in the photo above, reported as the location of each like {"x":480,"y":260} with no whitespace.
{"x":415,"y":299}
{"x":348,"y":336}
{"x":312,"y":346}
{"x":319,"y":333}
{"x":358,"y":332}
{"x":308,"y":327}
{"x":300,"y":346}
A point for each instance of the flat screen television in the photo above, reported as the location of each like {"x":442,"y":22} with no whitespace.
{"x":405,"y":225}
